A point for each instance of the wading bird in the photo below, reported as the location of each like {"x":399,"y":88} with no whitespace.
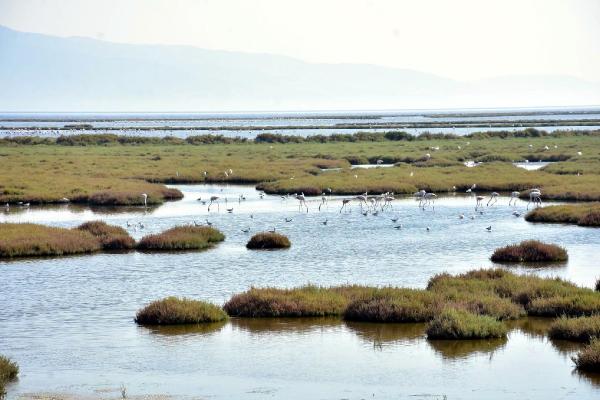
{"x":479,"y":202}
{"x":145,"y":198}
{"x":301,"y":201}
{"x":214,"y":199}
{"x":493,"y":198}
{"x":344,"y":203}
{"x":535,"y":197}
{"x":514,"y":196}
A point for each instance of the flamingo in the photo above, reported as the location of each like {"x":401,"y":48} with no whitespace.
{"x":479,"y":202}
{"x":535,"y":197}
{"x":302,"y":201}
{"x":214,"y":199}
{"x":493,"y":198}
{"x":145,"y":197}
{"x":429,"y":198}
{"x":344,"y":203}
{"x":514,"y":196}
{"x":323,"y":200}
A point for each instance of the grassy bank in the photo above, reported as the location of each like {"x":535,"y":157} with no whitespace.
{"x":582,"y":329}
{"x":182,"y":238}
{"x":178,"y":311}
{"x":588,"y":359}
{"x":8,"y":372}
{"x":496,"y":293}
{"x":118,"y":171}
{"x":32,"y":240}
{"x":459,"y":324}
{"x":581,"y":214}
{"x":530,"y":251}
{"x":110,"y":237}
{"x":268,"y":241}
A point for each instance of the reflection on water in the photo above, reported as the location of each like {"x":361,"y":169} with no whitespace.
{"x":456,"y":349}
{"x":186,"y":330}
{"x":68,"y":322}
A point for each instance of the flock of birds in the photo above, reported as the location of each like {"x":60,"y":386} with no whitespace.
{"x":369,"y":204}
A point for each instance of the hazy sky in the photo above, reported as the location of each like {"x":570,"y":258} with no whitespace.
{"x":461,"y":39}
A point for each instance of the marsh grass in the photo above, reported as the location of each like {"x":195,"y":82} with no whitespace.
{"x":268,"y":241}
{"x":178,"y":311}
{"x":495,"y":293}
{"x":588,"y":359}
{"x":32,"y":240}
{"x":8,"y":372}
{"x":459,"y":324}
{"x":182,"y":238}
{"x":530,"y":251}
{"x":118,"y":170}
{"x":111,"y":237}
{"x":581,"y":329}
{"x":580,"y":214}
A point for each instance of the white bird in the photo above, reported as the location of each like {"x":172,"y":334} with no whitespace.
{"x":579,"y":153}
{"x":145,"y":197}
{"x":461,"y":216}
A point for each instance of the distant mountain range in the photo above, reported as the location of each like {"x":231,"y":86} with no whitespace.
{"x":47,"y":73}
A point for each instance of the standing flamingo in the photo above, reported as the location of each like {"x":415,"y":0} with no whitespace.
{"x":493,"y":198}
{"x":145,"y":197}
{"x":535,"y":197}
{"x":479,"y":202}
{"x":344,"y":203}
{"x":301,"y":201}
{"x":514,"y":196}
{"x":214,"y":199}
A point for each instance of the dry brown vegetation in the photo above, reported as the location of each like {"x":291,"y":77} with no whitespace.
{"x":581,"y":329}
{"x":530,"y":251}
{"x":268,"y":241}
{"x":588,"y":359}
{"x":111,"y":237}
{"x":8,"y":372}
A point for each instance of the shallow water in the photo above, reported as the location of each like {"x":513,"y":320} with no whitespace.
{"x":68,"y":321}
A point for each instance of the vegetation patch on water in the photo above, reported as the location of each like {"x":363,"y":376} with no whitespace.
{"x":181,"y":238}
{"x":111,"y":237}
{"x":580,"y":214}
{"x":588,"y":359}
{"x":8,"y":372}
{"x":268,"y":241}
{"x":495,"y":293}
{"x":581,"y":329}
{"x":179,"y":311}
{"x":460,"y":324}
{"x":530,"y":251}
{"x":32,"y":240}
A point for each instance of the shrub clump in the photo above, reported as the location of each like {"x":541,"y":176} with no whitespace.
{"x":33,"y":240}
{"x":111,"y":237}
{"x":8,"y":372}
{"x":306,"y":301}
{"x":394,"y":305}
{"x":459,"y":324}
{"x":580,"y":214}
{"x":530,"y":251}
{"x":588,"y":359}
{"x":582,"y":329}
{"x":178,"y":311}
{"x":268,"y":240}
{"x":182,"y":238}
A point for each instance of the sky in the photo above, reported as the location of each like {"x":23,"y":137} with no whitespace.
{"x":458,"y":39}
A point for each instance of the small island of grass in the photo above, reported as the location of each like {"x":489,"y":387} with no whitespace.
{"x":33,"y":240}
{"x":179,"y":311}
{"x":182,"y":238}
{"x":111,"y":237}
{"x":530,"y":251}
{"x":268,"y":241}
{"x":581,"y":329}
{"x":588,"y":359}
{"x":458,"y":324}
{"x":580,"y":214}
{"x":8,"y":372}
